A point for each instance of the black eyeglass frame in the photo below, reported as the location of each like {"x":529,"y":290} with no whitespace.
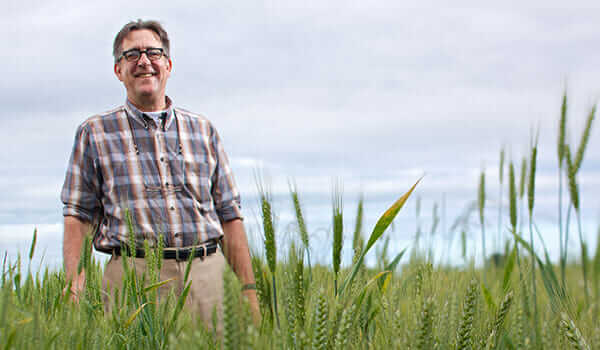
{"x":141,"y":52}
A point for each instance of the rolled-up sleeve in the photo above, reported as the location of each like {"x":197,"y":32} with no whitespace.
{"x":81,"y":190}
{"x":224,"y":191}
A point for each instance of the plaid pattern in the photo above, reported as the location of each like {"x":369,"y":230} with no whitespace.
{"x":172,"y":179}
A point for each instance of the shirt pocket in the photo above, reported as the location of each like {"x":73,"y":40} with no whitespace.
{"x":134,"y":179}
{"x":124,"y":166}
{"x":197,"y":178}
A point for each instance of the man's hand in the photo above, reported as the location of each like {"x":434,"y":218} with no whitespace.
{"x":250,"y":295}
{"x":74,"y":234}
{"x":77,"y":286}
{"x":235,"y":247}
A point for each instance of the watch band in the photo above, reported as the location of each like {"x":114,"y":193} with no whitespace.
{"x":249,"y":286}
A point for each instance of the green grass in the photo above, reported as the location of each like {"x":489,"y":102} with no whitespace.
{"x":448,"y":309}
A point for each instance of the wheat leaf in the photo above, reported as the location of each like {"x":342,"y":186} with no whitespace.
{"x":384,"y":221}
{"x":134,"y":315}
{"x":363,"y":292}
{"x":509,"y":268}
{"x":156,"y":285}
{"x":489,"y":300}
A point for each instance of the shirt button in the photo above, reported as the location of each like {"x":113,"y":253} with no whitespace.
{"x":167,"y":184}
{"x":172,"y":208}
{"x":162,"y":159}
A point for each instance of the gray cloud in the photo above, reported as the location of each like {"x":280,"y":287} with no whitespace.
{"x":376,"y":93}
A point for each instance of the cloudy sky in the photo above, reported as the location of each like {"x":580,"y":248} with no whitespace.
{"x":373,"y":93}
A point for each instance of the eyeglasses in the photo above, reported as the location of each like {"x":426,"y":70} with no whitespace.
{"x":153,"y":54}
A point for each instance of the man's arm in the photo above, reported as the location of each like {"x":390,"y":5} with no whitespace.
{"x":235,"y":244}
{"x":74,"y":235}
{"x":80,"y":195}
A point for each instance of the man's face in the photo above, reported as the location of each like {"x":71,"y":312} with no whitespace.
{"x":145,"y":80}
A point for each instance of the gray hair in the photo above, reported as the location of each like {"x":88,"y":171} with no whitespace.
{"x":154,"y":26}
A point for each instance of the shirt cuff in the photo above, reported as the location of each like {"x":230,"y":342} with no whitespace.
{"x":83,"y":214}
{"x":230,"y":212}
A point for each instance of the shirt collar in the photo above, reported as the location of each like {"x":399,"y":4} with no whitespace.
{"x":144,"y":119}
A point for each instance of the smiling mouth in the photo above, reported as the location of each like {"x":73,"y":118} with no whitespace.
{"x":145,"y":75}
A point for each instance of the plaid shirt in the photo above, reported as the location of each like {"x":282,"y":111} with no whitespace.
{"x":172,"y":179}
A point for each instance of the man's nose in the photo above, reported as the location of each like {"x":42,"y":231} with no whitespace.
{"x":143,"y":60}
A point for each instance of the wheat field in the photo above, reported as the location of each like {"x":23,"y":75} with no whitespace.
{"x":519,"y":299}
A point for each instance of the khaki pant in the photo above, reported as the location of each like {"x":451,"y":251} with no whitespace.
{"x":206,"y":291}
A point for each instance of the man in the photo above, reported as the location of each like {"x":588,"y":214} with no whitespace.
{"x":164,"y":170}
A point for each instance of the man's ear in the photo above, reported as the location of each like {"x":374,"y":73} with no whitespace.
{"x":118,"y":72}
{"x":170,"y":67}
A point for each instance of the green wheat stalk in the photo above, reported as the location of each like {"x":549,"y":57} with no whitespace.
{"x":501,"y":178}
{"x":498,"y":325}
{"x":561,"y":155}
{"x":300,"y":221}
{"x":584,"y":139}
{"x":320,"y":328}
{"x":574,"y":193}
{"x":572,"y":333}
{"x":290,"y":316}
{"x":357,"y":240}
{"x":263,"y":291}
{"x":338,"y":229}
{"x":519,"y":326}
{"x":269,"y":241}
{"x":530,"y":205}
{"x":464,"y":333}
{"x":299,"y":295}
{"x":425,"y":338}
{"x":33,"y":242}
{"x":481,"y":205}
{"x":343,"y":334}
{"x":418,"y":228}
{"x":522,"y":182}
{"x":597,"y":266}
{"x":230,"y":314}
{"x":512,"y":195}
{"x":435,"y":221}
